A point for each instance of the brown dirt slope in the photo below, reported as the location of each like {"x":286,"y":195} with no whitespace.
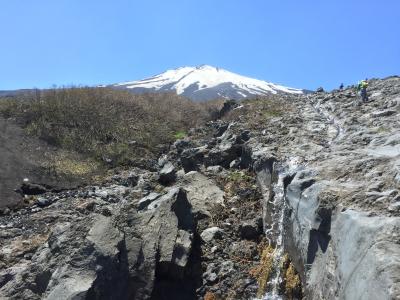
{"x":23,"y":156}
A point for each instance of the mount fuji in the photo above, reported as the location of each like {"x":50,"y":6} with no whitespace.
{"x":205,"y":83}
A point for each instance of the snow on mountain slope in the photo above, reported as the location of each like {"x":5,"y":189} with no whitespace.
{"x":205,"y":83}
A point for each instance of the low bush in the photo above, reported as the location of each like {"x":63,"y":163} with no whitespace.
{"x":112,"y":126}
{"x":257,"y":111}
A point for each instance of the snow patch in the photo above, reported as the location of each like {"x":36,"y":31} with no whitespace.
{"x":207,"y":77}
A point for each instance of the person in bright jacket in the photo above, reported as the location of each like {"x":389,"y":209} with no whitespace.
{"x":362,"y":88}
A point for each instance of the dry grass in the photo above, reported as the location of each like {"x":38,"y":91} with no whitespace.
{"x":291,"y":283}
{"x":257,"y":111}
{"x":263,"y":271}
{"x":210,"y":296}
{"x":108,"y":125}
{"x":69,"y":165}
{"x":291,"y":279}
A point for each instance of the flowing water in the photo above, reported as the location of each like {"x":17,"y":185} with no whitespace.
{"x":275,"y":232}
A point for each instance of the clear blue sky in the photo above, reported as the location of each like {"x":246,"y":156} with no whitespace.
{"x":298,"y":43}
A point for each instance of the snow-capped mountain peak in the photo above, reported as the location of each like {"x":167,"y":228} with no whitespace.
{"x":206,"y":82}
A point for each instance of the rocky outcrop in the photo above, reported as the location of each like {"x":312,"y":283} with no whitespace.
{"x":131,"y":238}
{"x":126,"y":255}
{"x":341,"y":245}
{"x":300,"y":204}
{"x":339,"y":225}
{"x":202,"y":192}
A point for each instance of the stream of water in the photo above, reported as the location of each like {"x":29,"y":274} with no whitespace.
{"x":279,"y":204}
{"x":275,"y":232}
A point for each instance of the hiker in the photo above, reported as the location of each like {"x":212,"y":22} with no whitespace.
{"x":341,"y":86}
{"x":362,"y":88}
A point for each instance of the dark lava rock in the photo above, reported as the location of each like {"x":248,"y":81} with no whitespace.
{"x":221,"y":129}
{"x":28,"y":188}
{"x":181,"y":145}
{"x":192,"y":158}
{"x":129,"y":180}
{"x":249,"y":230}
{"x":228,"y":106}
{"x":167,"y":174}
{"x":42,"y":202}
{"x":243,"y":137}
{"x":224,"y":154}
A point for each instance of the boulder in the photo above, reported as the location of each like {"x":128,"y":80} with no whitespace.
{"x":181,"y":145}
{"x":128,"y":180}
{"x":202,"y":192}
{"x":250,"y":230}
{"x":224,"y":153}
{"x":28,"y":188}
{"x":235,"y":164}
{"x":227,"y":107}
{"x":211,"y":234}
{"x":192,"y":158}
{"x":105,"y":236}
{"x":221,"y":128}
{"x":214,"y":169}
{"x":243,"y":137}
{"x":42,"y":202}
{"x":167,"y":175}
{"x":168,"y":234}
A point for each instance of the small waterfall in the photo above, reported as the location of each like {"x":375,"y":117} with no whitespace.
{"x":276,"y":208}
{"x":276,"y":230}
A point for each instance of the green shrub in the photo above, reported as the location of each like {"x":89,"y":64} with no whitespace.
{"x":180,"y":135}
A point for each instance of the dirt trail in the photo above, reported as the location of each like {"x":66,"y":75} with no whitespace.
{"x":21,"y":156}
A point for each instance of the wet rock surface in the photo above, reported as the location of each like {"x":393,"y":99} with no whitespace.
{"x":298,"y":203}
{"x":340,"y":189}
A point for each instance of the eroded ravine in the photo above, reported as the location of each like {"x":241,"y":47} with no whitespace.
{"x":273,"y":181}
